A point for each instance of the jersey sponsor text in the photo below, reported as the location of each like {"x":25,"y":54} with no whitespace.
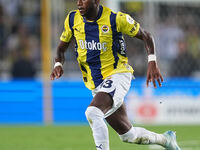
{"x":93,"y":45}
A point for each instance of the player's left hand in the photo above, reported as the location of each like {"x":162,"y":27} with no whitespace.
{"x":153,"y":74}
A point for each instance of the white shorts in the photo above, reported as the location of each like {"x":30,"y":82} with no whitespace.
{"x":117,"y":85}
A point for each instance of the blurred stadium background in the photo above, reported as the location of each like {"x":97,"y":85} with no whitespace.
{"x":29,"y":35}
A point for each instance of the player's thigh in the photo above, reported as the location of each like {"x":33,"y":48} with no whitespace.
{"x":102,"y":101}
{"x":109,"y":95}
{"x":119,"y":120}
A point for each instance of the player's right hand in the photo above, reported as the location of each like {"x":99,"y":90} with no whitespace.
{"x":56,"y":73}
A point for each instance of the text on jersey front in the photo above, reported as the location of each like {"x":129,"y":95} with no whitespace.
{"x":93,"y":45}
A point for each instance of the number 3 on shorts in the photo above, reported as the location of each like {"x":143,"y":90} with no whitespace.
{"x":107,"y":83}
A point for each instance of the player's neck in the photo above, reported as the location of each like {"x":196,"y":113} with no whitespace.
{"x":92,"y":15}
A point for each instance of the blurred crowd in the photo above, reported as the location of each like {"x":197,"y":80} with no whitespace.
{"x":19,"y":38}
{"x":177,"y":38}
{"x":176,"y":32}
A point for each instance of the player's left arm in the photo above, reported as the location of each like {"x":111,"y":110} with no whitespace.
{"x":127,"y":25}
{"x":153,"y":71}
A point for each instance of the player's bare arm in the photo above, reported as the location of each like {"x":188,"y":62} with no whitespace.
{"x":153,"y":71}
{"x":60,"y":59}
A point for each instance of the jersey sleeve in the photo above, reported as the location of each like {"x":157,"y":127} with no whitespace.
{"x":67,"y":32}
{"x":126,"y":24}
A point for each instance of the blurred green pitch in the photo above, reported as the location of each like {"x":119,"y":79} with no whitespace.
{"x":80,"y":138}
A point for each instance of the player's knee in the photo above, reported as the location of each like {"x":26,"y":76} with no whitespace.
{"x":93,"y":113}
{"x":128,"y":137}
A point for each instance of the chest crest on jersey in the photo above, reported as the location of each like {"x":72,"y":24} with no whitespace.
{"x":105,"y":29}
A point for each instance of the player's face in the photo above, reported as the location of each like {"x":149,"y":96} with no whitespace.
{"x":86,"y":7}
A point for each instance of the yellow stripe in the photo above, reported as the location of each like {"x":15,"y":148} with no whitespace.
{"x":79,"y":33}
{"x":107,"y":58}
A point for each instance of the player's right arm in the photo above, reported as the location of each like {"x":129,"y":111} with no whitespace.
{"x":59,"y":60}
{"x":65,"y":39}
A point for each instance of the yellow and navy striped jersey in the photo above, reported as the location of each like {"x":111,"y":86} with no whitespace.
{"x":99,"y":45}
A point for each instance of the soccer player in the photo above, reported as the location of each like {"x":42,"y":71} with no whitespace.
{"x":101,"y":54}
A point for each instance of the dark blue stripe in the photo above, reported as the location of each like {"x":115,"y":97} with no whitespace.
{"x":76,"y":49}
{"x":112,"y":93}
{"x":83,"y":68}
{"x":71,"y":20}
{"x":71,"y":24}
{"x":100,"y":12}
{"x":115,"y":34}
{"x":93,"y":56}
